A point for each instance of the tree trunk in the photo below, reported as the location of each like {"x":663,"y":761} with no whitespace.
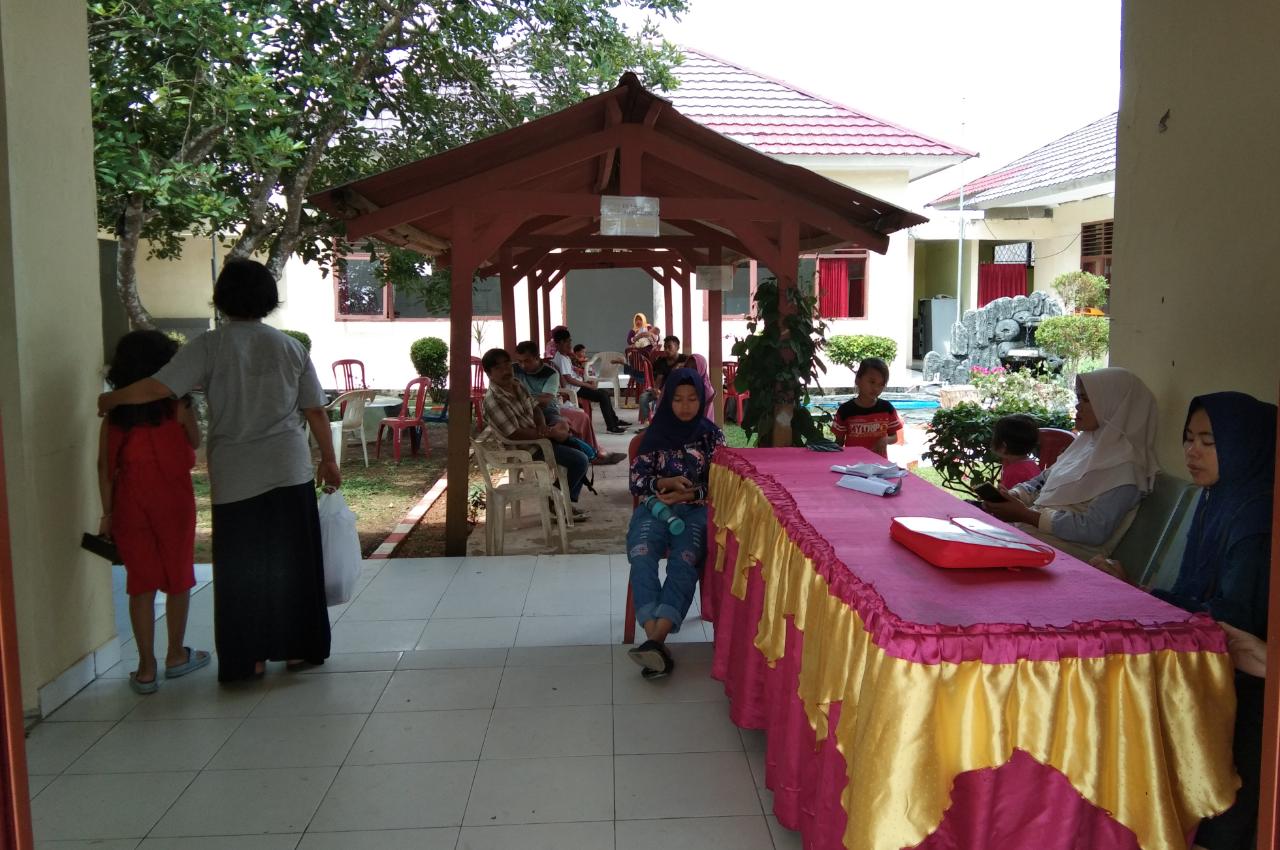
{"x":127,"y":239}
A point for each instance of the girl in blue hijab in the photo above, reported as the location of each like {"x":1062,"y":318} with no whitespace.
{"x":669,"y":477}
{"x":1229,"y":441}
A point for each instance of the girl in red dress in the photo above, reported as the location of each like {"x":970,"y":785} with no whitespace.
{"x":145,"y":456}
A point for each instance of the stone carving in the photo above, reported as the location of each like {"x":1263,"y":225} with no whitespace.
{"x":986,"y":336}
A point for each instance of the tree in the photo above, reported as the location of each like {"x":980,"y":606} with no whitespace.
{"x":214,"y":116}
{"x":1081,"y":290}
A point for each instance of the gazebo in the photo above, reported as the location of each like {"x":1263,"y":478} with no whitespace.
{"x":527,"y":204}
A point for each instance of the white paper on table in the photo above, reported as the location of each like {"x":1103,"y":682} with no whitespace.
{"x":871,"y":470}
{"x":874,"y":486}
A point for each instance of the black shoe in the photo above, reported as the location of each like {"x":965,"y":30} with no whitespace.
{"x":609,"y":458}
{"x":654,"y":659}
{"x":624,"y":423}
{"x":617,"y":429}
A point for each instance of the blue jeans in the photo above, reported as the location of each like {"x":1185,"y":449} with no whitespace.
{"x":649,"y":540}
{"x":575,"y":463}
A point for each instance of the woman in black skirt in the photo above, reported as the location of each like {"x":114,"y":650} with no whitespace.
{"x":269,"y":600}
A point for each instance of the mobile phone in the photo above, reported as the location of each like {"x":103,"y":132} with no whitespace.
{"x":987,"y":492}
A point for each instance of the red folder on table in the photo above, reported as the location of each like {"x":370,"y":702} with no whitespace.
{"x":962,"y":542}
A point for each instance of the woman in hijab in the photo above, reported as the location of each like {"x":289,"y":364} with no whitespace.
{"x":669,"y":476}
{"x":1229,"y":444}
{"x":642,"y":335}
{"x":709,"y":392}
{"x":1085,"y":502}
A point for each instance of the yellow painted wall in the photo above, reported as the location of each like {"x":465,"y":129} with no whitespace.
{"x":1196,"y":305}
{"x":181,"y":288}
{"x":1057,"y":239}
{"x":50,"y":336}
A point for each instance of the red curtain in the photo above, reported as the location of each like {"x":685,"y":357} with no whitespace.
{"x":1000,"y":280}
{"x":833,"y":288}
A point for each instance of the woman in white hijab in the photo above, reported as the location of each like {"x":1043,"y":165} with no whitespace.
{"x":1085,"y":502}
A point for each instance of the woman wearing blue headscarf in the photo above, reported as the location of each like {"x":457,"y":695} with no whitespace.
{"x":669,"y":476}
{"x":1229,"y":443}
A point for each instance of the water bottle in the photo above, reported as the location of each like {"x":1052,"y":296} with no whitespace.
{"x":663,"y":511}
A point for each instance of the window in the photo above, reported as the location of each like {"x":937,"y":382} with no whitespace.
{"x":842,"y":286}
{"x":359,"y":295}
{"x":737,"y":300}
{"x":1095,"y":247}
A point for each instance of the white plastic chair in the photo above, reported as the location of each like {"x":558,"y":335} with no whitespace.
{"x":526,"y":478}
{"x":352,"y":405}
{"x":608,"y":373}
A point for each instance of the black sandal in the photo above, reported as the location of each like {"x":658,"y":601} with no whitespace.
{"x":654,"y":659}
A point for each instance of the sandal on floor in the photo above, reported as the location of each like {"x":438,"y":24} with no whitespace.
{"x":654,"y":659}
{"x":143,"y":688}
{"x":196,"y":658}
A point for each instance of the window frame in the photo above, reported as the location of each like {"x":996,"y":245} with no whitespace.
{"x":387,"y":314}
{"x":858,"y":254}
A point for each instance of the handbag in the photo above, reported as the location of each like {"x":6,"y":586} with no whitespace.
{"x":340,"y":546}
{"x":965,"y":543}
{"x":102,"y":546}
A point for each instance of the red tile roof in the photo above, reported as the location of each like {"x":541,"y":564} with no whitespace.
{"x":1084,"y":156}
{"x":777,"y":118}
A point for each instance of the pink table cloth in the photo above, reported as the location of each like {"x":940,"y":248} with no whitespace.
{"x":909,"y":706}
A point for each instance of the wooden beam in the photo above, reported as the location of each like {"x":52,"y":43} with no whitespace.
{"x":686,"y":305}
{"x":651,"y":114}
{"x":546,"y":311}
{"x":535,"y":329}
{"x":408,"y":235}
{"x":612,"y":116}
{"x":762,"y":248}
{"x":457,"y":471}
{"x":670,"y":313}
{"x":499,"y":175}
{"x":507,"y":282}
{"x":715,"y":345}
{"x":1269,"y":792}
{"x":492,"y":237}
{"x":629,"y":178}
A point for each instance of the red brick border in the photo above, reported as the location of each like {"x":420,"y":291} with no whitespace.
{"x":388,"y":547}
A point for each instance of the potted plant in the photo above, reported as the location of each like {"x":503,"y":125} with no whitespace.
{"x":777,"y":362}
{"x":430,"y":357}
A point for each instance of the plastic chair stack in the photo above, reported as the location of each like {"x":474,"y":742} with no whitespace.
{"x":526,"y":478}
{"x":352,"y":405}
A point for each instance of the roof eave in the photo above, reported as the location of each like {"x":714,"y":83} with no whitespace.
{"x":1026,"y":197}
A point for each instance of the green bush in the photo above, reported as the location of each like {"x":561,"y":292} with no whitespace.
{"x":850,"y":350}
{"x":1081,"y":290}
{"x":300,"y":337}
{"x":1014,"y":391}
{"x":1074,"y":338}
{"x":960,"y":441}
{"x":430,"y":358}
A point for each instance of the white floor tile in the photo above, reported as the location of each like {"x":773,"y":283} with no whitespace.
{"x":783,"y":838}
{"x":336,"y":693}
{"x":52,"y":747}
{"x":691,"y":682}
{"x":155,"y":745}
{"x":585,"y":730}
{"x":559,"y":656}
{"x":376,"y":635}
{"x":476,"y":633}
{"x":566,"y":600}
{"x":564,"y":631}
{"x":357,"y":662}
{"x":394,"y":605}
{"x":224,"y":842}
{"x":444,"y":838}
{"x":693,"y":785}
{"x":104,"y":699}
{"x":740,"y":833}
{"x":753,"y":740}
{"x":440,"y":659}
{"x":674,"y":727}
{"x":396,"y":796}
{"x":36,"y":782}
{"x":264,"y":742}
{"x":756,"y":762}
{"x":194,"y":696}
{"x":421,"y":736}
{"x":542,"y":790}
{"x":539,"y":836}
{"x":247,"y":802}
{"x":431,"y":690}
{"x":117,"y":844}
{"x":555,"y":686}
{"x":475,"y":599}
{"x":125,"y":805}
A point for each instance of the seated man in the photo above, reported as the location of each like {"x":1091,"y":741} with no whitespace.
{"x":543,"y":383}
{"x":669,"y":359}
{"x":510,"y":411}
{"x":563,"y":363}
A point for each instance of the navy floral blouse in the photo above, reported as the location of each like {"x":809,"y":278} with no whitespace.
{"x":693,"y":462}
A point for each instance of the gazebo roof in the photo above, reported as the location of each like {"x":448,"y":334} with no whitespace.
{"x":540,"y":184}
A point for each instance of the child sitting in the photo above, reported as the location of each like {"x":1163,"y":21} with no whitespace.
{"x":867,"y":420}
{"x":1013,"y":439}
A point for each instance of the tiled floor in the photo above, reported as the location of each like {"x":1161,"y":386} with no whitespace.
{"x":478,"y":703}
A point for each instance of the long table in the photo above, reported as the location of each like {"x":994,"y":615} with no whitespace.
{"x":910,"y":706}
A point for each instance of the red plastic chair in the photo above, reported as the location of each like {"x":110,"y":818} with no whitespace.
{"x":399,"y":424}
{"x":730,"y":369}
{"x":644,"y":366}
{"x":1053,"y":442}
{"x":629,"y":624}
{"x":478,"y":386}
{"x":344,"y":375}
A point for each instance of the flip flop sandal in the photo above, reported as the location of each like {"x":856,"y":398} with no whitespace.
{"x":143,"y":688}
{"x":196,"y":658}
{"x":648,"y":655}
{"x":650,"y":675}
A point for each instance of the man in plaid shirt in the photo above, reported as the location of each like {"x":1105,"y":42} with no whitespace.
{"x":510,"y":411}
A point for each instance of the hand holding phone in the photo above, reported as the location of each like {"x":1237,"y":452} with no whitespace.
{"x":988,"y":492}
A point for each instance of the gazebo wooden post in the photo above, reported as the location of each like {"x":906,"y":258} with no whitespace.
{"x":788,"y":259}
{"x":546,"y":305}
{"x":1269,"y":794}
{"x":535,"y":329}
{"x":715,"y":355}
{"x":507,"y":281}
{"x":686,"y":305}
{"x":669,"y":316}
{"x":457,"y":472}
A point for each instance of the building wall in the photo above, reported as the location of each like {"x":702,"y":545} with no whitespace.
{"x":50,"y":340}
{"x":1196,"y":300}
{"x":1057,"y":239}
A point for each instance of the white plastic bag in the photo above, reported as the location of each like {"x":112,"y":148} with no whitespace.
{"x":341,"y":547}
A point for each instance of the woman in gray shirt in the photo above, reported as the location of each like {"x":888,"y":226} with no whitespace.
{"x":269,"y":600}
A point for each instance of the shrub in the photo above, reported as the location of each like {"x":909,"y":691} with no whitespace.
{"x":477,"y":498}
{"x":430,"y":358}
{"x":1074,"y":338}
{"x":850,"y":350}
{"x":960,"y":441}
{"x":1081,"y":290}
{"x":300,"y":337}
{"x":1023,"y":389}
